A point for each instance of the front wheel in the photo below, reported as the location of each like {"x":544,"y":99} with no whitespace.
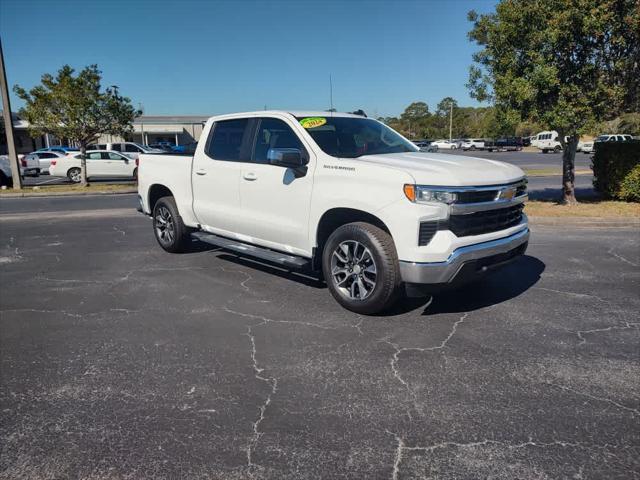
{"x":170,"y":232}
{"x":74,"y":175}
{"x":360,"y":266}
{"x":557,"y":149}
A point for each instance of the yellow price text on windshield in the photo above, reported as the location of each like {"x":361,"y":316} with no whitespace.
{"x":313,"y":122}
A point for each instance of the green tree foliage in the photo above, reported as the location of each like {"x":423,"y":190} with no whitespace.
{"x":76,"y":108}
{"x":567,"y":64}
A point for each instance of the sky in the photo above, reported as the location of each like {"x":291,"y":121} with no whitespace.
{"x":185,"y":57}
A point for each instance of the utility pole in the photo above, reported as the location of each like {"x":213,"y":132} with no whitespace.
{"x":450,"y":119}
{"x":8,"y":126}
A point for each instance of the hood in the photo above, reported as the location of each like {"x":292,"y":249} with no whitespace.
{"x":448,"y":170}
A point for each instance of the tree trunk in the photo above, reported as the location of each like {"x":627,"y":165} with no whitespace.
{"x":83,"y":165}
{"x":568,"y":169}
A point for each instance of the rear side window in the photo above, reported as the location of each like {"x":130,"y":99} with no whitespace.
{"x":131,"y":148}
{"x":274,"y":133}
{"x":229,"y":141}
{"x":117,"y":147}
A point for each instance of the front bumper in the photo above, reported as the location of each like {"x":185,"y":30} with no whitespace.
{"x":466,"y":260}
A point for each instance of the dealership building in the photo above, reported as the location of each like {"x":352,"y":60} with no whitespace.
{"x":147,"y":129}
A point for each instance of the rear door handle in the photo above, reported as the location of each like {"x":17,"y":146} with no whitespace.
{"x":250,"y":176}
{"x":201,"y":172}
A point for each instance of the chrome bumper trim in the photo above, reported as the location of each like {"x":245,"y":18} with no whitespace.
{"x":445,"y":272}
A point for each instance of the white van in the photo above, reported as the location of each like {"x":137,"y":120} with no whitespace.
{"x":547,"y":142}
{"x":130,"y":149}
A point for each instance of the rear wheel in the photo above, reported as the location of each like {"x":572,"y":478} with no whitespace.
{"x":74,"y":175}
{"x":170,"y":232}
{"x":360,"y":266}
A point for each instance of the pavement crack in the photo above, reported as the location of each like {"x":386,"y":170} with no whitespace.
{"x":627,"y":326}
{"x":270,"y":381}
{"x":633,"y":411}
{"x":621,"y":258}
{"x":571,"y":294}
{"x":395,"y":358}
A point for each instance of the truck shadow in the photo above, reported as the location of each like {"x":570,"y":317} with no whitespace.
{"x":497,"y":287}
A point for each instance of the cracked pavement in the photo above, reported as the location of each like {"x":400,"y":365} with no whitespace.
{"x":120,"y":361}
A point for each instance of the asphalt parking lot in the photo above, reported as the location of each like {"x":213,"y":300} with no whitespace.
{"x":120,"y":361}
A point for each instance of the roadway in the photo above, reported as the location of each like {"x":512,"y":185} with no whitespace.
{"x":119,"y":360}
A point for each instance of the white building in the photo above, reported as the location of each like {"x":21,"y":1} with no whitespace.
{"x":147,"y":129}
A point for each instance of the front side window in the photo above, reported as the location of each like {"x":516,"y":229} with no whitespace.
{"x":114,"y":156}
{"x":94,"y":156}
{"x":273,"y":133}
{"x":229,"y":139}
{"x":349,"y":137}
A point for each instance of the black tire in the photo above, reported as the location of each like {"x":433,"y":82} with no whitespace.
{"x":544,"y":150}
{"x":557,"y":149}
{"x":172,"y":235}
{"x":472,"y":148}
{"x":380,"y":248}
{"x":74,"y":174}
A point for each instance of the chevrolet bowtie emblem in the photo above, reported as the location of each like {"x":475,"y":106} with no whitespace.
{"x":507,"y":194}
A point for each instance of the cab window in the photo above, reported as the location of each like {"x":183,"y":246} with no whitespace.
{"x":229,"y":140}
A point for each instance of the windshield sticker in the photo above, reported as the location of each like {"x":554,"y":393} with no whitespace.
{"x":313,"y":122}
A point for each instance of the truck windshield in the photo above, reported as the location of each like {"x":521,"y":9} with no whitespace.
{"x":350,"y":137}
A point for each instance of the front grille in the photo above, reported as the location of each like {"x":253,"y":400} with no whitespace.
{"x":477,"y":196}
{"x":487,"y":221}
{"x":426,"y":233}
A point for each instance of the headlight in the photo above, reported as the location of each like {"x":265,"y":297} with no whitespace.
{"x":420,"y":194}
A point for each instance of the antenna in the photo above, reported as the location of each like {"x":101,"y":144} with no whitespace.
{"x":331,"y":92}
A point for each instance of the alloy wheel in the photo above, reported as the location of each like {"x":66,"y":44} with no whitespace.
{"x":353,"y":270}
{"x":164,"y":225}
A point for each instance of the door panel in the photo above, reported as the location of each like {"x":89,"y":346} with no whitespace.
{"x":216,"y":173}
{"x":96,"y":165}
{"x":275,"y":204}
{"x":119,"y":165}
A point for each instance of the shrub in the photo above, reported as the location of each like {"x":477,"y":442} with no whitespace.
{"x":630,"y":186}
{"x":616,"y":164}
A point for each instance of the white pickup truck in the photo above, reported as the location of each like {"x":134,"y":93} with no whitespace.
{"x":341,"y":194}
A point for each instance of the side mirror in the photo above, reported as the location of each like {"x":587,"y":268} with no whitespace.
{"x":286,"y":157}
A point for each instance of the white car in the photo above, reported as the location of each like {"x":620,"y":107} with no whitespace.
{"x":547,"y":142}
{"x":130,"y":149}
{"x":343,"y":195}
{"x":100,"y":164}
{"x":45,"y":159}
{"x":29,"y":167}
{"x":473,"y":144}
{"x":445,"y":145}
{"x":614,"y":137}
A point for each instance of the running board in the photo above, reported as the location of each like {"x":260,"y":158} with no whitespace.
{"x":283,"y":259}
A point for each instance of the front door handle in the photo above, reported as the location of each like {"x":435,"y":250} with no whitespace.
{"x":250,"y":176}
{"x":201,"y":172}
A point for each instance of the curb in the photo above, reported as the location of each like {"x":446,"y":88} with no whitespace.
{"x":66,"y":194}
{"x":605,"y":222}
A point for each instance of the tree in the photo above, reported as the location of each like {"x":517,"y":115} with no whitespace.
{"x":445,"y":104}
{"x":566,"y":64}
{"x":74,"y":107}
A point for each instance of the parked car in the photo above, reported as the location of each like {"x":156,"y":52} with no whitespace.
{"x":473,"y":144}
{"x":425,"y":145}
{"x":29,"y":167}
{"x":526,"y":141}
{"x":505,"y":144}
{"x":547,"y":142}
{"x":58,"y":148}
{"x":130,"y":149}
{"x":287,"y":188}
{"x":100,"y":164}
{"x":615,"y":137}
{"x":444,"y":145}
{"x":587,"y":147}
{"x":45,"y":158}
